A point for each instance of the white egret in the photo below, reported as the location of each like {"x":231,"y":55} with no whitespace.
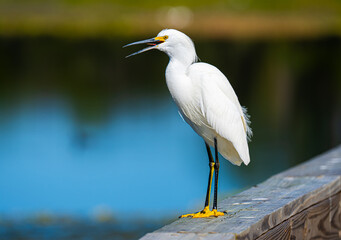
{"x":207,"y":102}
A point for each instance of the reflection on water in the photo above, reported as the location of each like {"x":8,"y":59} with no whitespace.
{"x":84,"y":129}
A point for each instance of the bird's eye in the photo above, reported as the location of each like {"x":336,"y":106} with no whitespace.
{"x":165,"y":37}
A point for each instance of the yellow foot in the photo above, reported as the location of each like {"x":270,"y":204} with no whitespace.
{"x":204,"y":213}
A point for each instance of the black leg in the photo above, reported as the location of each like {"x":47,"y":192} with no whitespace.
{"x":210,"y":176}
{"x":216,"y":168}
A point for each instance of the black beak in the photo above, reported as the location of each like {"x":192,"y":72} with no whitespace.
{"x":152,"y":41}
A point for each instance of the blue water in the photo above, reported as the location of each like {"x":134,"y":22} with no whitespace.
{"x":144,"y":160}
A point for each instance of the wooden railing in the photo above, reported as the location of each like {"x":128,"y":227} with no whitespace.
{"x":303,"y":202}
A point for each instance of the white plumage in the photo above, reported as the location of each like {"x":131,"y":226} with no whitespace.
{"x":204,"y":96}
{"x":207,"y":102}
{"x":206,"y":99}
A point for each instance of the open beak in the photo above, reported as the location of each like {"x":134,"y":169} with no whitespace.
{"x":154,"y":42}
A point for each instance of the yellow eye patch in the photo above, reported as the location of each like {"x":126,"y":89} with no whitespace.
{"x":161,"y":39}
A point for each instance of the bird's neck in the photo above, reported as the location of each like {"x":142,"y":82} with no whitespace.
{"x":182,"y":56}
{"x":180,"y":59}
{"x":177,"y":66}
{"x":178,"y":81}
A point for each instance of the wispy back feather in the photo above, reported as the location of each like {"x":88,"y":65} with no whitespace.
{"x":248,"y":123}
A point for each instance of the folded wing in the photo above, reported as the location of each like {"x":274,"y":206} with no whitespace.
{"x":221,"y":109}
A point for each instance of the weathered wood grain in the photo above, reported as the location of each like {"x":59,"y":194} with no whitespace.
{"x":300,"y":203}
{"x":320,"y":221}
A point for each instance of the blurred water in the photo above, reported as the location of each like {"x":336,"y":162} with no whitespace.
{"x":49,"y":163}
{"x":85,"y":131}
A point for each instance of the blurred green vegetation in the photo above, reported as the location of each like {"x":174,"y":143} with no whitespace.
{"x":213,"y":19}
{"x":263,"y":5}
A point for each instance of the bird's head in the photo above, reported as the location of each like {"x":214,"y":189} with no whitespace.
{"x":173,"y":42}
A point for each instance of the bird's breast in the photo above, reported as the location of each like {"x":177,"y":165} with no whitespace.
{"x":180,"y":87}
{"x":187,"y":98}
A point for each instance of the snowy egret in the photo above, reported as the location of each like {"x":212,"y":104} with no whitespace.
{"x":207,"y":102}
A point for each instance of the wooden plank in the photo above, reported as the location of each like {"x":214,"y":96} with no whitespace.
{"x":259,"y":208}
{"x":320,"y":221}
{"x":274,"y":209}
{"x":188,"y":236}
